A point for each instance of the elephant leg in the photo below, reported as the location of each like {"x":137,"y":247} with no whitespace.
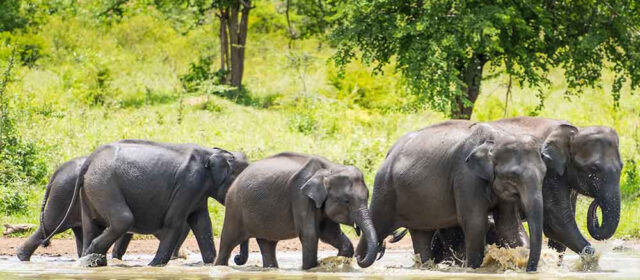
{"x":268,"y":251}
{"x":27,"y":248}
{"x":558,"y":246}
{"x":421,"y":244}
{"x":120,"y":247}
{"x":168,"y":241}
{"x":232,"y":235}
{"x":450,"y":243}
{"x":475,"y":231}
{"x":176,"y":251}
{"x":330,"y":233}
{"x":200,"y":223}
{"x":309,"y":240}
{"x":90,"y":229}
{"x":437,"y":248}
{"x":77,"y":232}
{"x":120,"y":218}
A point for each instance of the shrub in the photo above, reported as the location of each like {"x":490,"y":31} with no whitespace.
{"x":20,"y":163}
{"x":630,"y":185}
{"x":200,"y":75}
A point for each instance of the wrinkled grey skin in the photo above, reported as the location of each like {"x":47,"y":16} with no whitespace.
{"x":292,"y":195}
{"x":145,"y":187}
{"x":588,"y":163}
{"x":57,"y":198}
{"x":455,"y":173}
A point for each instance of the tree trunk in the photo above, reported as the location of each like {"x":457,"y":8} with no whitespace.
{"x":471,"y":76}
{"x":238,"y":38}
{"x":224,"y":43}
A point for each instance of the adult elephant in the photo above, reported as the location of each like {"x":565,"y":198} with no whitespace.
{"x":145,"y":187}
{"x":454,"y":173}
{"x":587,"y":162}
{"x":57,"y":197}
{"x":292,"y":195}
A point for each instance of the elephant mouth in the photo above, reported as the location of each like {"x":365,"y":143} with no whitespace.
{"x":357,"y":228}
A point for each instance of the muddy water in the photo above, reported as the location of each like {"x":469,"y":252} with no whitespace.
{"x":619,"y":263}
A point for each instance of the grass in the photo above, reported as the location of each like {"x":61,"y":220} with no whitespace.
{"x":96,"y":84}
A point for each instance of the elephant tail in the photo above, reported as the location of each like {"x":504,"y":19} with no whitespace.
{"x":398,"y":235}
{"x":242,"y":257}
{"x":76,"y":191}
{"x":44,"y":205}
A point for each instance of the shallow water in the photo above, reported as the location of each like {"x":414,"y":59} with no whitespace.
{"x":394,"y":265}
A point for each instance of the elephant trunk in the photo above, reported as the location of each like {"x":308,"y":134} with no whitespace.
{"x":609,"y":202}
{"x":533,"y":209}
{"x":363,"y":220}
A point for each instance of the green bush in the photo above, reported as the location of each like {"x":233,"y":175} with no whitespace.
{"x":630,"y":185}
{"x":21,"y":165}
{"x":13,"y":200}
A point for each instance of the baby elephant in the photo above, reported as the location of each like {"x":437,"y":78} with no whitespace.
{"x":57,"y":197}
{"x":295,"y":195}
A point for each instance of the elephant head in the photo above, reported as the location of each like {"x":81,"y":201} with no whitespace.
{"x":342,"y":195}
{"x":224,"y":167}
{"x":514,"y":168}
{"x":593,"y":169}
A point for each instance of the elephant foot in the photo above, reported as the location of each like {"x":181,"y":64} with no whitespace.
{"x":156,"y":263}
{"x":93,"y":260}
{"x":588,"y":260}
{"x":23,"y":257}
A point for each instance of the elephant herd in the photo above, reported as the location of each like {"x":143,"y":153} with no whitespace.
{"x":454,"y":186}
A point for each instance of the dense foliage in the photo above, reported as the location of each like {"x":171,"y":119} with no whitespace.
{"x":442,"y":47}
{"x":91,"y":72}
{"x":21,"y":165}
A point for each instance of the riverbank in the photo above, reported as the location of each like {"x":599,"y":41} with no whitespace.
{"x":67,"y":247}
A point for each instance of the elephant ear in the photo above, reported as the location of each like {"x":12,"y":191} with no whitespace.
{"x":556,"y":148}
{"x":311,"y":179}
{"x":480,"y":160}
{"x":219,"y":165}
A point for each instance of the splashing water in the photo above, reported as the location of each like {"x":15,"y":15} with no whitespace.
{"x":590,"y":263}
{"x":498,"y":259}
{"x":334,"y":264}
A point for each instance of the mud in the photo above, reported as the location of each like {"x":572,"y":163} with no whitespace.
{"x":617,"y":260}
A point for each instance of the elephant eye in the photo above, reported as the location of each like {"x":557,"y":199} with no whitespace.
{"x":345,"y":201}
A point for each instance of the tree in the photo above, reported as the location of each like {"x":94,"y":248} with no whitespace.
{"x":234,"y":21}
{"x":442,"y":47}
{"x":315,"y":16}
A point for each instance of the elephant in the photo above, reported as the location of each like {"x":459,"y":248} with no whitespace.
{"x":453,"y":174}
{"x":146,"y":187}
{"x":292,"y":195}
{"x":57,"y":196}
{"x":588,"y":163}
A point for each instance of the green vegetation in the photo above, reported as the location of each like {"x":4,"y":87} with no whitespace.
{"x":80,"y":80}
{"x":443,"y":47}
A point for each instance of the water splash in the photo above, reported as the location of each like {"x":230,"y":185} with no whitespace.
{"x":591,"y":263}
{"x":334,"y":264}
